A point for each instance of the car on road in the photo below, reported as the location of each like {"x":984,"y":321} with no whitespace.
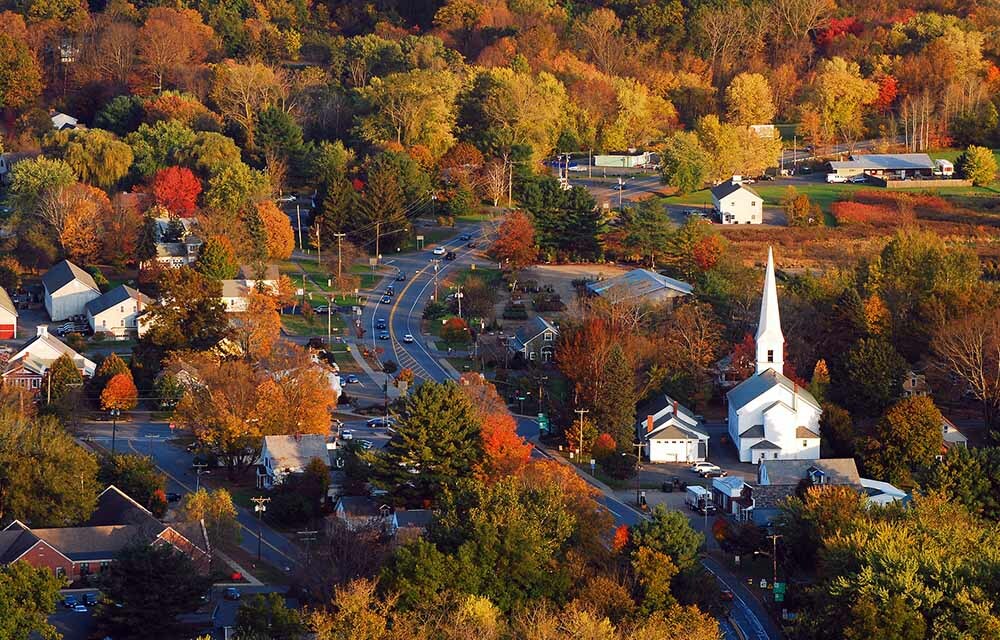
{"x":90,"y":599}
{"x":390,"y":290}
{"x":324,"y":309}
{"x":287,"y":198}
{"x":408,"y":339}
{"x":472,"y":245}
{"x":401,"y":276}
{"x":231,"y":593}
{"x":438,"y":251}
{"x":765,"y":177}
{"x":578,"y":167}
{"x":379,"y":423}
{"x":173,"y":496}
{"x":618,"y":186}
{"x":69,"y":602}
{"x":386,"y":300}
{"x":366,"y":444}
{"x":861,"y":178}
{"x":726,"y":595}
{"x":352,"y":379}
{"x":380,"y":324}
{"x":346,"y":434}
{"x":713,"y":473}
{"x":383,"y":335}
{"x":465,"y":237}
{"x":450,"y":255}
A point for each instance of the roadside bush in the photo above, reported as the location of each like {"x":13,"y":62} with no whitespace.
{"x":604,"y":446}
{"x":849,"y":212}
{"x":435,"y":310}
{"x":619,"y":467}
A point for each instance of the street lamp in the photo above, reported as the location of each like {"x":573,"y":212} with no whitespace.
{"x":260,"y":506}
{"x":114,"y":413}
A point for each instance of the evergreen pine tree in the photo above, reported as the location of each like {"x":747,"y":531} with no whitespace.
{"x":614,"y":407}
{"x":216,"y":260}
{"x":257,"y":234}
{"x":437,"y":442}
{"x":381,"y":205}
{"x":339,"y":206}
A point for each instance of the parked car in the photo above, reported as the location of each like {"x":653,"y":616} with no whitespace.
{"x":79,"y":608}
{"x":69,"y":602}
{"x":231,"y":593}
{"x":351,"y":379}
{"x":765,"y":177}
{"x":671,"y":483}
{"x":287,"y":198}
{"x":698,"y":466}
{"x":407,"y":338}
{"x":464,"y":237}
{"x":438,"y":251}
{"x":90,"y":599}
{"x":450,"y":255}
{"x":706,"y":468}
{"x":172,"y":496}
{"x":324,"y":309}
{"x":379,"y":423}
{"x":714,"y":473}
{"x":347,"y":434}
{"x":861,"y":178}
{"x":383,"y":335}
{"x":833,"y":177}
{"x":386,"y":300}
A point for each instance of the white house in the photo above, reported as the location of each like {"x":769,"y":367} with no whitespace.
{"x":26,"y":368}
{"x":673,"y":434}
{"x":68,"y":289}
{"x":737,"y":204}
{"x":235,"y":292}
{"x":62,"y":121}
{"x":952,"y":436}
{"x":771,"y":417}
{"x":282,"y":456}
{"x":116,"y":311}
{"x":8,"y":317}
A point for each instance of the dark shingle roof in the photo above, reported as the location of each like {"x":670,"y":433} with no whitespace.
{"x":419,"y":518}
{"x":14,"y":541}
{"x":728,"y":188}
{"x":118,"y":295}
{"x":532,"y":329}
{"x":65,"y":272}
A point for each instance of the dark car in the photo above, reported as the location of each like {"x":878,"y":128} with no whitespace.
{"x":316,"y":343}
{"x":471,"y":245}
{"x":173,"y":496}
{"x":714,"y":473}
{"x":726,"y":595}
{"x":380,"y":324}
{"x":323,"y":309}
{"x":379,"y":423}
{"x":90,"y":599}
{"x":401,"y":276}
{"x":70,"y":601}
{"x":390,"y":291}
{"x":383,"y":335}
{"x":231,"y":593}
{"x":386,"y":300}
{"x":465,"y":236}
{"x":450,"y":255}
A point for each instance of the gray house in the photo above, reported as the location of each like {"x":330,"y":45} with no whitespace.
{"x":535,"y":341}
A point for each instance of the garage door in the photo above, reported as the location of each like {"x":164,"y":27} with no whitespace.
{"x":6,"y":332}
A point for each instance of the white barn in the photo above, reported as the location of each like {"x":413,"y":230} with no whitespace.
{"x":673,"y":434}
{"x":770,"y":416}
{"x":68,"y":289}
{"x":737,"y":204}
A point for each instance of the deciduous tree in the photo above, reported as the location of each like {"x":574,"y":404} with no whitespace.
{"x":28,"y":597}
{"x":977,"y":164}
{"x":217,"y":511}
{"x":515,"y":243}
{"x":20,"y":75}
{"x":685,"y":162}
{"x":243,"y":90}
{"x":120,"y":393}
{"x":969,"y":348}
{"x":907,"y":437}
{"x":97,"y":156}
{"x":172,"y":42}
{"x":177,"y":189}
{"x":278,"y":228}
{"x":136,"y":475}
{"x":189,"y":312}
{"x":749,"y":100}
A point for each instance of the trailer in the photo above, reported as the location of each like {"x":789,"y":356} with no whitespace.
{"x":699,"y":499}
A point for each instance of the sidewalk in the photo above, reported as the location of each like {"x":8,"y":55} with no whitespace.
{"x":377,"y":377}
{"x":251,"y":581}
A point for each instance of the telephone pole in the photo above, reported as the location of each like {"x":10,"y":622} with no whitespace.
{"x":197,"y":473}
{"x":774,"y":557}
{"x":339,"y":237}
{"x":260,"y":506}
{"x":581,"y":412}
{"x":436,"y":262}
{"x":378,"y":225}
{"x":638,"y":465}
{"x":458,"y":296}
{"x":298,"y":216}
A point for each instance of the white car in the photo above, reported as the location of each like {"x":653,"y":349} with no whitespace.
{"x":833,"y":177}
{"x":288,"y":198}
{"x":438,"y":251}
{"x":407,"y":338}
{"x":698,"y":466}
{"x":347,"y":434}
{"x":711,"y":471}
{"x":578,"y":167}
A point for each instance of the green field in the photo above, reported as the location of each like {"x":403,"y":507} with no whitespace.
{"x":298,"y":325}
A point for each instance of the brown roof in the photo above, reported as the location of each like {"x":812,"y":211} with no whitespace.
{"x":803,"y":432}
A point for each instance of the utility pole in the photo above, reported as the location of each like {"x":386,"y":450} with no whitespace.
{"x":540,"y":381}
{"x":339,"y":237}
{"x":378,"y":225}
{"x":298,"y":216}
{"x":638,"y":465}
{"x":510,"y":186}
{"x":581,"y":412}
{"x":114,"y":425}
{"x":590,"y":165}
{"x":307,"y":537}
{"x":458,"y":296}
{"x":197,"y":474}
{"x":260,"y":506}
{"x":436,"y":263}
{"x":621,"y":189}
{"x":774,"y":557}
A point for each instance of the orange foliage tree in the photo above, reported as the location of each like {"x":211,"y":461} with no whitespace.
{"x":707,"y":251}
{"x":120,"y":393}
{"x":278,"y":229}
{"x":515,"y":243}
{"x":74,"y":213}
{"x":504,"y":451}
{"x":177,"y":189}
{"x":455,"y":331}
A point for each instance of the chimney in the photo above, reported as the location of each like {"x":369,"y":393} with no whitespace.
{"x":675,"y":407}
{"x":43,"y":330}
{"x":649,"y":423}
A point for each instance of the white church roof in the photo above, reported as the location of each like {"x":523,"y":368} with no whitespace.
{"x":760,"y":384}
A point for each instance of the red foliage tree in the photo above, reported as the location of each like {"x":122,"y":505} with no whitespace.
{"x":620,"y":539}
{"x":706,"y":252}
{"x":177,"y":189}
{"x":515,"y":243}
{"x":744,"y":357}
{"x":158,"y":503}
{"x":888,"y":89}
{"x":604,"y":446}
{"x":504,"y":452}
{"x":455,"y":331}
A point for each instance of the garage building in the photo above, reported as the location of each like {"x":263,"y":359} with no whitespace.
{"x":673,"y":434}
{"x":8,"y":317}
{"x":895,"y":166}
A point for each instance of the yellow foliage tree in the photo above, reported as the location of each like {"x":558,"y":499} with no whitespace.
{"x":278,"y":228}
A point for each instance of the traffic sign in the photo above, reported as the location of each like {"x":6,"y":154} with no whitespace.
{"x":779,"y":591}
{"x":543,"y":422}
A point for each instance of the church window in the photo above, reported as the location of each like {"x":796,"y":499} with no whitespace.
{"x":770,"y":355}
{"x":776,"y":456}
{"x":805,"y":443}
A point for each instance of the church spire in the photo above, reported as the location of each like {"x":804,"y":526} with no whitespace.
{"x":770,"y":341}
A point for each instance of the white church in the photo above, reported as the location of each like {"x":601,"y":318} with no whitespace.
{"x":771,"y":417}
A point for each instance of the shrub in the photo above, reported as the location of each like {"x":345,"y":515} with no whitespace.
{"x":620,"y":467}
{"x":849,"y":212}
{"x":604,"y":446}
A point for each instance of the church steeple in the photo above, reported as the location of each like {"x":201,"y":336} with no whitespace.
{"x":770,"y":340}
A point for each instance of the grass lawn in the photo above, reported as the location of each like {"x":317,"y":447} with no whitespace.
{"x":297,"y":325}
{"x":431,"y":236}
{"x":369,"y":278}
{"x":488,"y":275}
{"x":346,"y":362}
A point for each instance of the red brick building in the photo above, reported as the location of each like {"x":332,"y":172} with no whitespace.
{"x":76,"y":552}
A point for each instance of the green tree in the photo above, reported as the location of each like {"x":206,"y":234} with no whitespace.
{"x":907,"y":437}
{"x":419,"y":573}
{"x":874,"y":376}
{"x":839,"y":95}
{"x":339,"y":207}
{"x":685,"y":163}
{"x":278,"y":134}
{"x":136,"y":475}
{"x":189,"y":312}
{"x":977,"y":164}
{"x":256,"y":249}
{"x":614,"y":407}
{"x":111,"y":366}
{"x":168,"y":390}
{"x":411,"y":108}
{"x":234,"y":188}
{"x":970,"y":477}
{"x":148,"y":587}
{"x":669,"y":532}
{"x":31,"y":178}
{"x":749,"y":100}
{"x":646,"y":229}
{"x":382,"y":211}
{"x":158,"y":146}
{"x":97,"y":156}
{"x":654,"y":571}
{"x":62,"y":378}
{"x":217,"y":511}
{"x":20,"y":75}
{"x":210,"y":152}
{"x":735,"y":150}
{"x":216,"y":260}
{"x":46,"y":479}
{"x":892,"y":620}
{"x":436,"y":443}
{"x":267,"y":616}
{"x":27,"y":598}
{"x":121,"y":115}
{"x":837,"y":432}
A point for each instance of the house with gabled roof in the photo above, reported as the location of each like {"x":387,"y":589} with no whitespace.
{"x":672,"y":433}
{"x":118,"y":521}
{"x":8,"y":317}
{"x":770,"y":416}
{"x":535,"y":340}
{"x":117,"y":311}
{"x":68,"y":289}
{"x":641,"y":285}
{"x":26,"y":368}
{"x":282,"y":456}
{"x":736,"y":203}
